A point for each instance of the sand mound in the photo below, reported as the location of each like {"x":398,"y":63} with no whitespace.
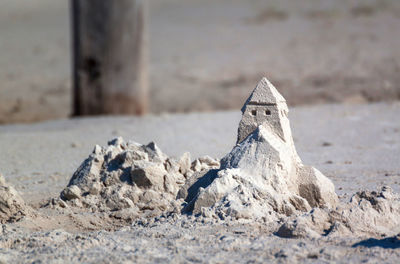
{"x":12,"y":206}
{"x":367,"y":214}
{"x":256,"y":181}
{"x":262,"y":177}
{"x":129,"y":178}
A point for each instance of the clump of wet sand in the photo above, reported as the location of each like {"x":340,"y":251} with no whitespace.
{"x":12,"y":206}
{"x":369,"y":213}
{"x":129,"y":179}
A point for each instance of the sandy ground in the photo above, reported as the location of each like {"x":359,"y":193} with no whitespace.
{"x":205,"y":55}
{"x":356,"y":146}
{"x":208,"y":55}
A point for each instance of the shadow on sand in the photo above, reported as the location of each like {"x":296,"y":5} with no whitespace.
{"x":193,"y":191}
{"x":388,"y":242}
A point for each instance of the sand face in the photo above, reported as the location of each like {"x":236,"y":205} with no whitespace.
{"x":71,"y":235}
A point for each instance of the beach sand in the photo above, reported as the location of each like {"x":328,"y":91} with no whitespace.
{"x":356,"y":146}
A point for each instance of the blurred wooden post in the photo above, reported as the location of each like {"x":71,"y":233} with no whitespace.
{"x":109,"y":56}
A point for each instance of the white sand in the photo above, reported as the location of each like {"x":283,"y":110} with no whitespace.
{"x":361,"y":141}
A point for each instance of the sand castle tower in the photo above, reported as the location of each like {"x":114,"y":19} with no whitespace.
{"x":263,"y":175}
{"x":265,"y":106}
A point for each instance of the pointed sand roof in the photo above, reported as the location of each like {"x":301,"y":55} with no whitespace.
{"x":264,"y":94}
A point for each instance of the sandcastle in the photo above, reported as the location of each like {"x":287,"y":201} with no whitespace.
{"x":261,"y":180}
{"x":263,"y":175}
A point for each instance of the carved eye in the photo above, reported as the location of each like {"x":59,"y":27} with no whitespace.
{"x":253,"y":112}
{"x":267,"y":112}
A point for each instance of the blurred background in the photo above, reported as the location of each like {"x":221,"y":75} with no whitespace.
{"x":208,"y":55}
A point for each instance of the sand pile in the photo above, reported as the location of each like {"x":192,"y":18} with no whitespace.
{"x":129,"y":179}
{"x":262,"y":177}
{"x":12,"y":206}
{"x":368,"y":213}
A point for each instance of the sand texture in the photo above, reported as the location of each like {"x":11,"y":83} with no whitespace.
{"x":39,"y":161}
